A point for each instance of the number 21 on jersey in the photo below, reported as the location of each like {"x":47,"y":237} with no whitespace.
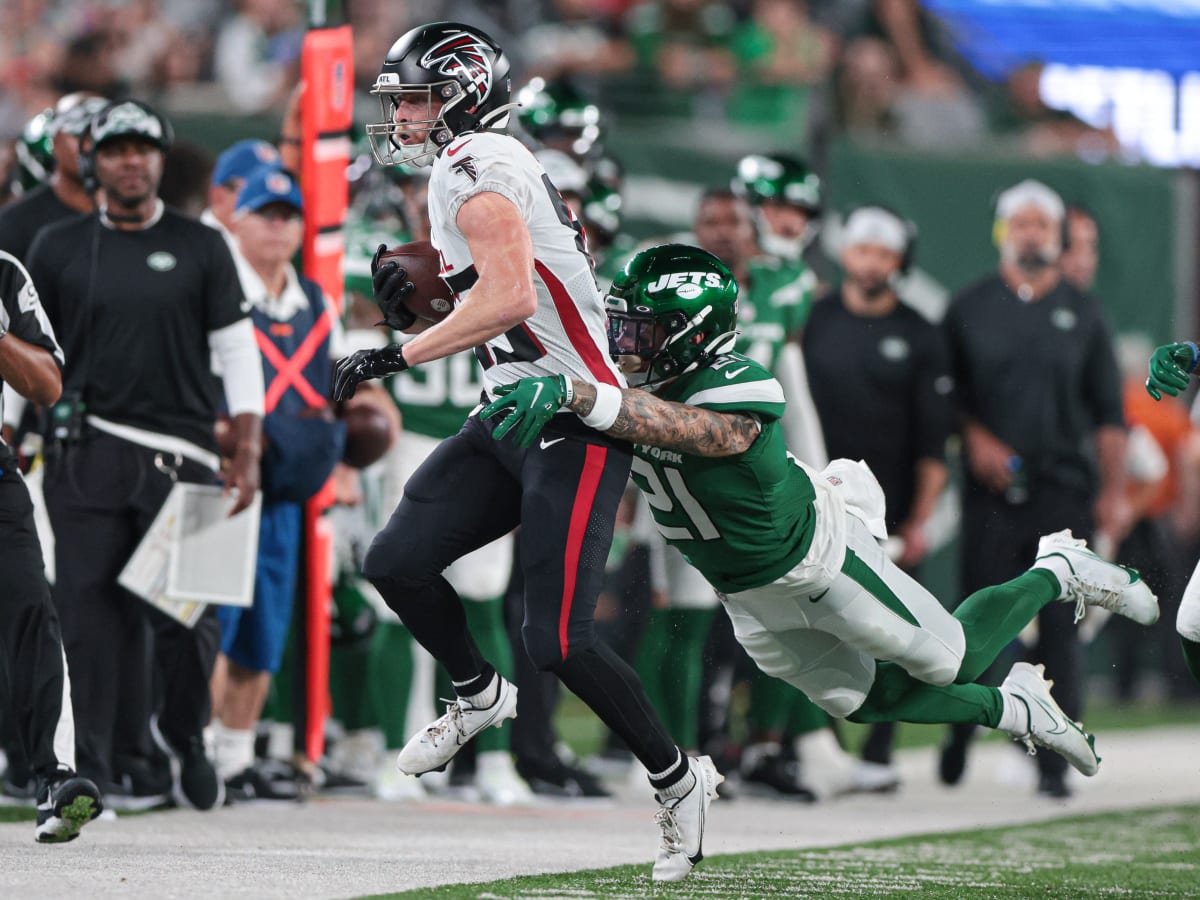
{"x":674,"y":496}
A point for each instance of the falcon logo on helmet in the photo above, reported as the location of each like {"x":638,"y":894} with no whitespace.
{"x":438,"y":81}
{"x":462,"y":54}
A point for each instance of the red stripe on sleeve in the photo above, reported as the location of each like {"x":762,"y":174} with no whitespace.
{"x":577,"y":332}
{"x":585,"y":497}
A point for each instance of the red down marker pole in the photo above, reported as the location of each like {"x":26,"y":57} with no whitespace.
{"x":327,"y":70}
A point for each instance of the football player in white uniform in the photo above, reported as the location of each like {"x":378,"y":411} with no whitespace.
{"x":529,"y":304}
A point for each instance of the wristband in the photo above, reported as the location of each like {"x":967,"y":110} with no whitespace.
{"x":568,"y":390}
{"x":1195,"y":355}
{"x":606,"y":410}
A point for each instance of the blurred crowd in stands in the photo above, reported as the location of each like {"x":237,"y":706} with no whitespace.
{"x":875,"y":68}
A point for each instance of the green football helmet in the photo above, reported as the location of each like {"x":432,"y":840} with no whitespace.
{"x":674,"y":307}
{"x":602,"y":203}
{"x":35,"y":151}
{"x":782,"y":178}
{"x":555,"y":114}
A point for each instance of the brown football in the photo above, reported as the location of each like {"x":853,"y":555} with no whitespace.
{"x":369,"y":434}
{"x":432,"y":299}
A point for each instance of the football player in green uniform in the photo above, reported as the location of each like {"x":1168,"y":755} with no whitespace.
{"x":776,"y":297}
{"x":797,"y":554}
{"x":1171,"y":368}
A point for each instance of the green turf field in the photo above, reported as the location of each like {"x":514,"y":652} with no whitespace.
{"x":1151,"y":853}
{"x":17,"y":814}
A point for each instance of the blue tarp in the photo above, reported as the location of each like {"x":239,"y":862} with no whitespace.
{"x":1141,"y":34}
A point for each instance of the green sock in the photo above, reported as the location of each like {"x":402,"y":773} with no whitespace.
{"x":898,"y":697}
{"x":768,"y":711}
{"x":348,"y":678}
{"x":390,"y":673}
{"x":651,"y":663}
{"x":803,"y":716}
{"x":671,"y":665}
{"x":689,"y":631}
{"x":1191,"y":655}
{"x":992,"y":617}
{"x":485,"y":620}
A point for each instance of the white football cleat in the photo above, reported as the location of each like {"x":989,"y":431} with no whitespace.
{"x":682,"y":822}
{"x":1046,"y":724}
{"x":1092,"y":581}
{"x":435,"y":745}
{"x":497,"y":780}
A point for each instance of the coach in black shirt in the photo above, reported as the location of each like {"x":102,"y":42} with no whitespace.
{"x":1043,"y":430}
{"x":880,"y":378}
{"x":142,"y":298}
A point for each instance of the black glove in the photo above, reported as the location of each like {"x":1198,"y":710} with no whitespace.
{"x":363,"y":365}
{"x":390,"y":284}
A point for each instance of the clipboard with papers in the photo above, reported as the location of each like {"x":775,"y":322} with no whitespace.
{"x":194,"y":554}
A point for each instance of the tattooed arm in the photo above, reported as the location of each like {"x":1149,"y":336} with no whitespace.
{"x":645,"y":419}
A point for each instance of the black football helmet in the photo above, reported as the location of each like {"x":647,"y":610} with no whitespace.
{"x":456,"y":64}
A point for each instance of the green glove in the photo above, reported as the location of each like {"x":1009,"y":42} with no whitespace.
{"x":531,"y":402}
{"x":1170,"y":366}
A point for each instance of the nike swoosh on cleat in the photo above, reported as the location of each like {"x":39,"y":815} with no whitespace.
{"x":1062,"y":728}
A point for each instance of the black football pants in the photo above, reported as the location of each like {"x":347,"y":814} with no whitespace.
{"x":102,"y":496}
{"x":563,"y":492}
{"x":31,"y":650}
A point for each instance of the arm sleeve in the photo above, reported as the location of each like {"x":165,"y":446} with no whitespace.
{"x":934,"y":398}
{"x":13,"y":405}
{"x":801,"y":425}
{"x":1102,"y":378}
{"x":224,"y":302}
{"x":240,"y":365}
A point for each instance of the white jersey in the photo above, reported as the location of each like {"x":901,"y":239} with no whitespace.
{"x":567,"y":334}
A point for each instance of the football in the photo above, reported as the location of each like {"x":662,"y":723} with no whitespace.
{"x":369,"y":434}
{"x":432,"y":299}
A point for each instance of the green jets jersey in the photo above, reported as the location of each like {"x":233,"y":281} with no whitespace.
{"x":745,"y":520}
{"x":776,"y":299}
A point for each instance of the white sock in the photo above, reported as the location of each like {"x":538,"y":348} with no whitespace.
{"x":233,"y":749}
{"x":1059,"y":568}
{"x":281,"y":737}
{"x":1015,"y":718}
{"x":680,"y":787}
{"x":487,"y":696}
{"x":493,"y":761}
